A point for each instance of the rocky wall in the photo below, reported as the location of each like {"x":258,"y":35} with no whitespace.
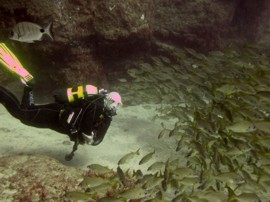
{"x":91,"y":38}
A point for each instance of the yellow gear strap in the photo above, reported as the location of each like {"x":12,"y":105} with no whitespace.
{"x":8,"y":59}
{"x":71,"y":94}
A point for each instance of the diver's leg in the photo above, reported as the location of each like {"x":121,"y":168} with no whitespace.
{"x":41,"y":116}
{"x":11,"y":103}
{"x":44,"y":116}
{"x":38,"y":116}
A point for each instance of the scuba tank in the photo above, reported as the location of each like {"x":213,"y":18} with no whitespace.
{"x":76,"y":94}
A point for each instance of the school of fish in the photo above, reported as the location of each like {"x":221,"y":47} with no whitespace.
{"x":222,"y":134}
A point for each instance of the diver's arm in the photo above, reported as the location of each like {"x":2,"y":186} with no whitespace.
{"x":97,"y":133}
{"x":101,"y":131}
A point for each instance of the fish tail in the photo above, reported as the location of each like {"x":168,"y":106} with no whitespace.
{"x":138,"y":152}
{"x":48,"y":30}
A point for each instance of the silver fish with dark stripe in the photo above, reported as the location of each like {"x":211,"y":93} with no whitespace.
{"x":29,"y":32}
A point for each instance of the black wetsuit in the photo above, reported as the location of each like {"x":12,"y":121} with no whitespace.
{"x":85,"y":116}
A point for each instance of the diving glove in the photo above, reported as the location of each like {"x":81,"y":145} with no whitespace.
{"x":89,"y":139}
{"x":9,"y":60}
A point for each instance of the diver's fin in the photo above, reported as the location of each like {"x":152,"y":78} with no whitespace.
{"x":9,"y":60}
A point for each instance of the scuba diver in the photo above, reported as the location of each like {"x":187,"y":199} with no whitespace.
{"x":84,"y":113}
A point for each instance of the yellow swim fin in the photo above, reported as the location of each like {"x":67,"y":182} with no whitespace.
{"x":9,"y":60}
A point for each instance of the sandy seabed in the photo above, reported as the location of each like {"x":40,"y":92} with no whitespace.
{"x":132,"y":129}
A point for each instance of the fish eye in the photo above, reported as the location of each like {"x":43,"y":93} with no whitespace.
{"x":11,"y":33}
{"x":42,"y":30}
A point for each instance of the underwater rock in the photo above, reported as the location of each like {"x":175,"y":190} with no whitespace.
{"x":90,"y":34}
{"x":35,"y":178}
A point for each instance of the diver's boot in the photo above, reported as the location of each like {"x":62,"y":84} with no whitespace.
{"x":9,"y":60}
{"x":27,"y":98}
{"x":31,"y":99}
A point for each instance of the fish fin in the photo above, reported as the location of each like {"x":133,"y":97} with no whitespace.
{"x":47,"y":30}
{"x":138,"y":151}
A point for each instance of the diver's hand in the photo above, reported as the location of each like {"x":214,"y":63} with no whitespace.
{"x":89,"y":139}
